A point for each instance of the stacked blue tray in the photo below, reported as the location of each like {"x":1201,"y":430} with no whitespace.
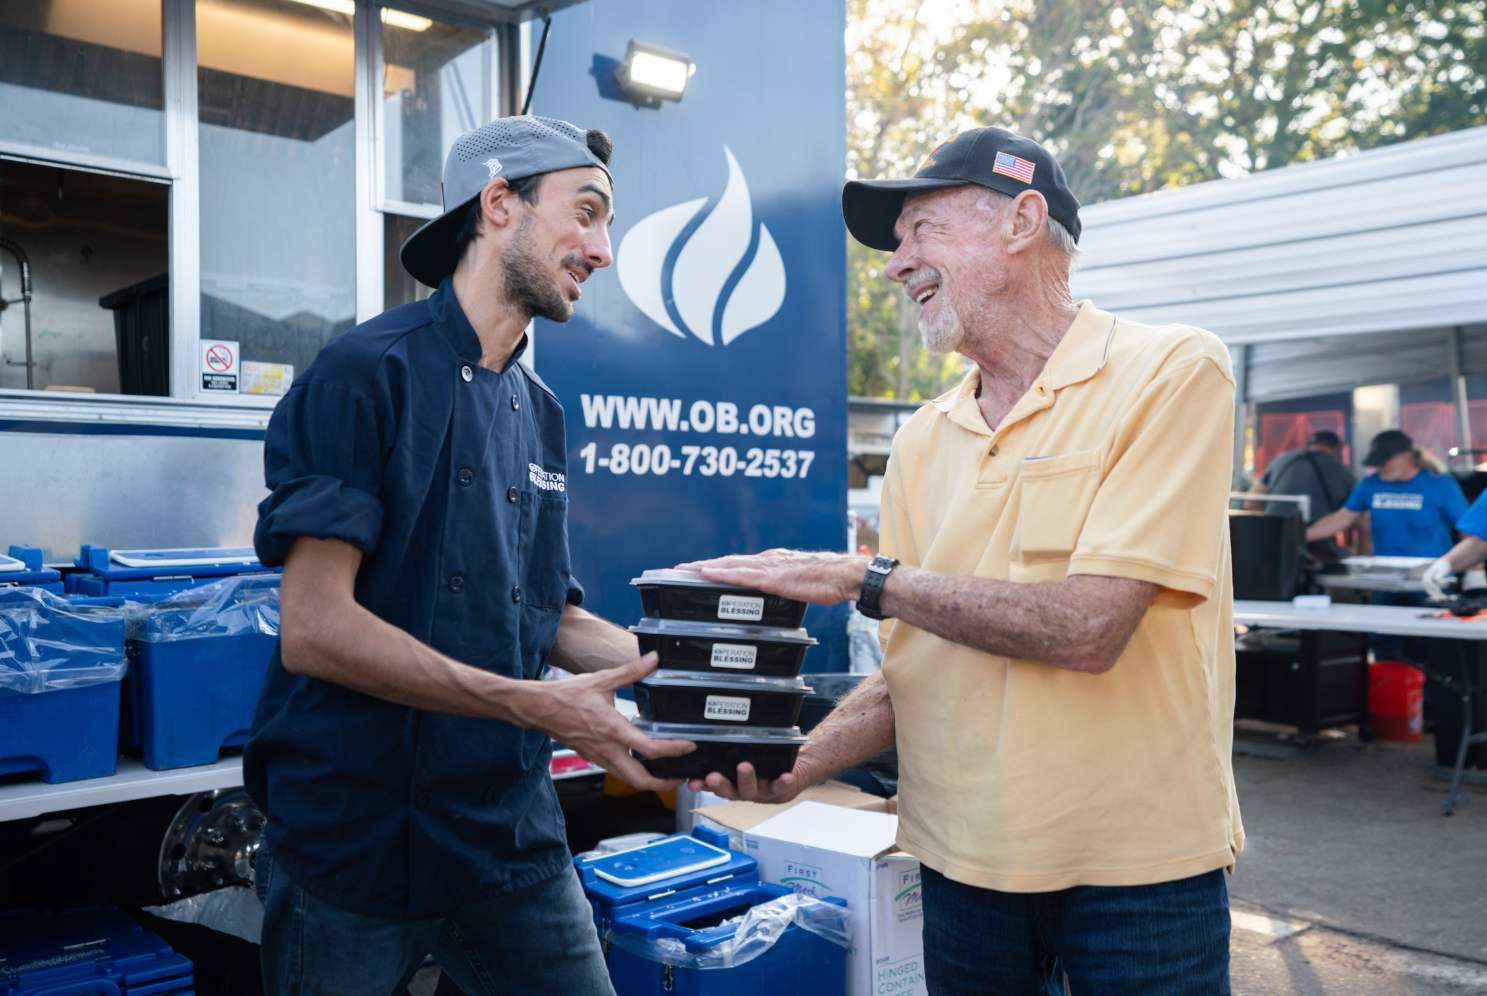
{"x":61,"y":666}
{"x":675,"y":917}
{"x":86,"y":953}
{"x":24,"y":566}
{"x":156,"y":572}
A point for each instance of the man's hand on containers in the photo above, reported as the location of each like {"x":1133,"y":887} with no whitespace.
{"x":579,"y":713}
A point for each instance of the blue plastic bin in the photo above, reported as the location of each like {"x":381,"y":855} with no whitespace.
{"x":60,"y":671}
{"x":197,"y":659}
{"x":86,"y":953}
{"x":24,"y":565}
{"x":156,"y":572}
{"x":713,"y":929}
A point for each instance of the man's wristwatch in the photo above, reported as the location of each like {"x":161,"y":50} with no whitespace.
{"x":878,"y":570}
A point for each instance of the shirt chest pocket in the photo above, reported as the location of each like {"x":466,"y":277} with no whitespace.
{"x":1055,"y":497}
{"x":544,"y":529}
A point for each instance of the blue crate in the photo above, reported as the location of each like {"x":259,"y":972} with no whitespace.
{"x":197,"y":661}
{"x":799,"y":962}
{"x":60,"y":671}
{"x":86,"y":952}
{"x":24,"y":565}
{"x":660,"y":910}
{"x":156,"y":572}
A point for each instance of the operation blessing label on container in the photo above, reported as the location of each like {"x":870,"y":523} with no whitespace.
{"x":727,"y":707}
{"x":740,"y":656}
{"x":745,"y":608}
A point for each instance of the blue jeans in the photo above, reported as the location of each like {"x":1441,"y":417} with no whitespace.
{"x":1168,"y":939}
{"x":540,"y":939}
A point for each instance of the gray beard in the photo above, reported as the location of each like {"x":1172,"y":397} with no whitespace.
{"x":529,"y":289}
{"x":944,"y":334}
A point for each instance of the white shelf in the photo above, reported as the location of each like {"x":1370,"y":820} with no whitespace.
{"x":132,"y":781}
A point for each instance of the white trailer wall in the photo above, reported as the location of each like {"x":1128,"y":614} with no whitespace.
{"x":1335,"y":274}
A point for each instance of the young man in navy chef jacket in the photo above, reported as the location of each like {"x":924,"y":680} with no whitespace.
{"x":419,"y":507}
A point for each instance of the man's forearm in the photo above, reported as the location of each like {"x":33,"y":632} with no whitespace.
{"x":1081,"y":623}
{"x":587,"y":643}
{"x":860,"y":727}
{"x":351,"y":647}
{"x":1469,"y":553}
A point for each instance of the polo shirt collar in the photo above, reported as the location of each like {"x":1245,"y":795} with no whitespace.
{"x":452,"y":323}
{"x":1079,"y":355}
{"x":1083,"y":350}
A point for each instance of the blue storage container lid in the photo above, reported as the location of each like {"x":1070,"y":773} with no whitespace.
{"x":24,"y":565}
{"x":663,"y":868}
{"x":49,"y":644}
{"x":234,"y":606}
{"x":83,"y":950}
{"x":181,"y":562}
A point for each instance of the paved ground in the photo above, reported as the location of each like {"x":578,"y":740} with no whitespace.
{"x":1347,"y":847}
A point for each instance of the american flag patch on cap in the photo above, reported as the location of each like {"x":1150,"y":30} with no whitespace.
{"x":1016,"y":167}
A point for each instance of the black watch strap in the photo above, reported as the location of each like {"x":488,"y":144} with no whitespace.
{"x":878,"y":570}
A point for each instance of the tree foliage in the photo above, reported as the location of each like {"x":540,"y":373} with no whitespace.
{"x":1135,"y":97}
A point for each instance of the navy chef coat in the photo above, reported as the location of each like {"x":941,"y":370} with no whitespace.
{"x":450,"y":478}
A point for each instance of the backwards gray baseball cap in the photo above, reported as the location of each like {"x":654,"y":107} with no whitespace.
{"x":512,"y":148}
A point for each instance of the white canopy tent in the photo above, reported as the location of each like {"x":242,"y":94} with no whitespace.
{"x":1321,"y":277}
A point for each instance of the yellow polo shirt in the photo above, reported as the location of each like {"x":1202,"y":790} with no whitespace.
{"x":1024,"y":777}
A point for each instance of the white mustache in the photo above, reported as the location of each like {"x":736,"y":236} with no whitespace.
{"x":919,"y":279}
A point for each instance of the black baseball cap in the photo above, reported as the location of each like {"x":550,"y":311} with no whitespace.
{"x":1325,"y":437}
{"x":991,"y":157}
{"x":1386,"y":446}
{"x":515,"y":147}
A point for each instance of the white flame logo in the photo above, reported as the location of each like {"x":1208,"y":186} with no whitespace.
{"x":704,"y":266}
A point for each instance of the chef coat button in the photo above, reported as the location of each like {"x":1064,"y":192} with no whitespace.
{"x":993,"y":451}
{"x":466,"y":477}
{"x":511,"y":494}
{"x":516,"y":593}
{"x":457,"y":583}
{"x":467,"y":373}
{"x":421,"y":801}
{"x":515,"y":405}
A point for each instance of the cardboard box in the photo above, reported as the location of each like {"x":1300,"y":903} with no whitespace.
{"x":830,"y":850}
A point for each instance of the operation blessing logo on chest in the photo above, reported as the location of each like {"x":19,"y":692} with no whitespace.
{"x":1399,"y":502}
{"x":547,"y":480}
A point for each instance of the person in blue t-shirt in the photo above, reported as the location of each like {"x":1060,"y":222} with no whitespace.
{"x":1469,"y":553}
{"x":1411,"y":510}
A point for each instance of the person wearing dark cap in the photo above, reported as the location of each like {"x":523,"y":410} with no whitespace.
{"x":418,"y":504}
{"x":1410,"y":509}
{"x":1316,"y":471}
{"x":1055,"y":590}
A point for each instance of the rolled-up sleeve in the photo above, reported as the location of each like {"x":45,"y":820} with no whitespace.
{"x":323,"y":467}
{"x":1160,"y":513}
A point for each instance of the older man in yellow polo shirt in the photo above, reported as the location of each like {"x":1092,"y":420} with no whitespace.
{"x":1055,"y":589}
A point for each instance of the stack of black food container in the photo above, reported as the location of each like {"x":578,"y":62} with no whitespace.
{"x":729,"y":679}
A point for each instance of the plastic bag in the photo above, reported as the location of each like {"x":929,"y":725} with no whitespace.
{"x":48,"y":644}
{"x":233,"y":910}
{"x":235,"y":606}
{"x":757,"y":931}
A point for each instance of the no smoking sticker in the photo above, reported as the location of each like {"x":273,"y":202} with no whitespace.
{"x":219,"y":366}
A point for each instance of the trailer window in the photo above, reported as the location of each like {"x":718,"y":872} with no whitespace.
{"x":435,"y":87}
{"x":276,"y":91}
{"x":80,"y":77}
{"x":96,"y":250}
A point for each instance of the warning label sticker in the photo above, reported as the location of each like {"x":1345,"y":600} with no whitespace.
{"x":219,"y":366}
